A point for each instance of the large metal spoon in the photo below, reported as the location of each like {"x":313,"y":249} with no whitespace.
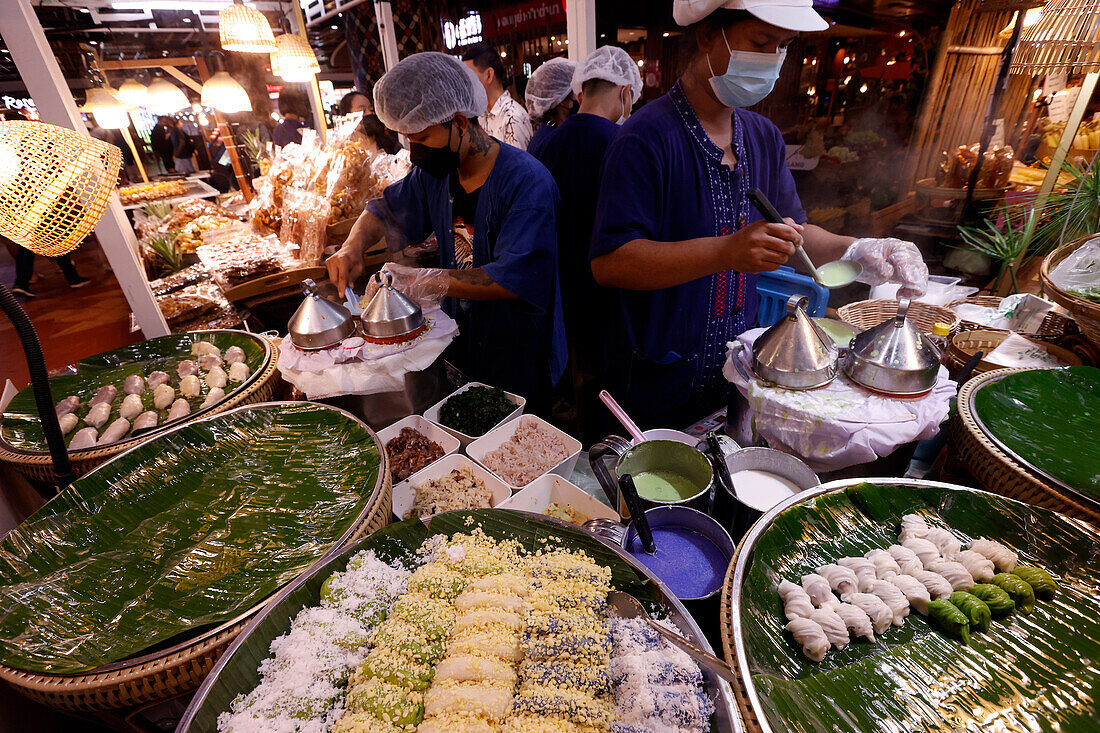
{"x":625,"y":605}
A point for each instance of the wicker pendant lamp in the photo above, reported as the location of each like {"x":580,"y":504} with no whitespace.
{"x":222,"y":92}
{"x":294,"y":60}
{"x":109,"y":112}
{"x":1065,"y":38}
{"x":245,"y":29}
{"x":133,"y":93}
{"x":166,"y":97}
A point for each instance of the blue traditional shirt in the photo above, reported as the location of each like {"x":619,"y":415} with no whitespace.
{"x":664,"y":181}
{"x":542,"y":136}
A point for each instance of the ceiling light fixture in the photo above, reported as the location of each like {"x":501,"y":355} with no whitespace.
{"x":224,"y":93}
{"x":293,"y":59}
{"x":133,"y":93}
{"x":105,"y":107}
{"x":166,"y":97}
{"x":245,"y":29}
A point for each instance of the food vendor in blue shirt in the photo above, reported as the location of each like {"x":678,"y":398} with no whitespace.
{"x":504,"y":291}
{"x":550,"y":100}
{"x":675,"y":235}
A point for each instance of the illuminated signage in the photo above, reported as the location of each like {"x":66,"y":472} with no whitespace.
{"x":464,"y":32}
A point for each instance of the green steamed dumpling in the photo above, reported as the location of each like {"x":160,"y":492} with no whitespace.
{"x":949,"y":619}
{"x":999,"y":602}
{"x":1040,"y":580}
{"x":976,"y":610}
{"x":1022,"y":594}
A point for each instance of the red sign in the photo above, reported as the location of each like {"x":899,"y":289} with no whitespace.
{"x":524,"y":17}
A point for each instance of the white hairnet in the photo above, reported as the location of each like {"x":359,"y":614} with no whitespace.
{"x":612,"y":64}
{"x":549,"y":86}
{"x":427,"y":89}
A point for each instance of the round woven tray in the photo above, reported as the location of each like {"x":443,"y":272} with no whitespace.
{"x":1053,"y":326}
{"x":182,"y":668}
{"x":39,"y":466}
{"x":996,"y":471}
{"x":744,"y":708}
{"x":865,"y":314}
{"x":1086,"y":313}
{"x":965,"y":344}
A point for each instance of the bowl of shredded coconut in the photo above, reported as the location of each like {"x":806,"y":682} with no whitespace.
{"x":522,"y":450}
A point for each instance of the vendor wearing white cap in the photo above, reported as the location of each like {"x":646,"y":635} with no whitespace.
{"x":504,"y":294}
{"x":675,"y":234}
{"x":608,"y":84}
{"x":550,"y":100}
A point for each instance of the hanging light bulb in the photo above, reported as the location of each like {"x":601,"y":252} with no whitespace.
{"x":222,"y":92}
{"x":108,"y":111}
{"x":293,"y":60}
{"x":242,"y":28}
{"x":133,"y":93}
{"x":164,"y":96}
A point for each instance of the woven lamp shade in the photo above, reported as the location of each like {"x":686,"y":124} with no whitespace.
{"x":1066,"y":38}
{"x":293,"y":60}
{"x":54,"y":185}
{"x":245,"y":29}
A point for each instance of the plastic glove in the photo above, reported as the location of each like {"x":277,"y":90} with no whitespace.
{"x":426,"y":286}
{"x":890,"y":260}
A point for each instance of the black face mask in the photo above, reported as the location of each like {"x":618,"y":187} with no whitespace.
{"x":436,"y":162}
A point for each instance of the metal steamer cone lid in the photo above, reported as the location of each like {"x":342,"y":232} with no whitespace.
{"x":894,"y":357}
{"x":319,"y":323}
{"x":795,"y":352}
{"x":390,"y":316}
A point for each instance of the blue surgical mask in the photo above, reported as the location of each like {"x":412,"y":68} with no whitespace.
{"x":749,"y":77}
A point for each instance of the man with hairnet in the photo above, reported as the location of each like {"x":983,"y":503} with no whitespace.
{"x":504,"y":294}
{"x":607,"y":84}
{"x":550,"y":100}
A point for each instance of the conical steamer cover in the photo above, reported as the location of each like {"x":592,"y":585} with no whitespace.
{"x":319,"y":323}
{"x":897,"y":344}
{"x":389,"y":313}
{"x":795,"y":353}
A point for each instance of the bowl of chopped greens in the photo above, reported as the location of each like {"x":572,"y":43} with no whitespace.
{"x":474,"y":409}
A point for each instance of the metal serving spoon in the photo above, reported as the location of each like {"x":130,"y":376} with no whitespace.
{"x":627,"y":606}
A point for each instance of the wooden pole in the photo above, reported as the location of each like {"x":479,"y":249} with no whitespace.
{"x":316,"y":104}
{"x":133,"y":149}
{"x":227,"y":137}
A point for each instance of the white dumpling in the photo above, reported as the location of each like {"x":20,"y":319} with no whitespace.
{"x":163,"y":396}
{"x":238,"y":372}
{"x":885,"y":564}
{"x":69,"y":421}
{"x":880,"y":614}
{"x":978,"y":565}
{"x":155,"y":379}
{"x":817,"y":588}
{"x":215,"y":395}
{"x":894,"y":599}
{"x":796,"y":603}
{"x":863,"y":568}
{"x":84,"y":438}
{"x":190,"y":386}
{"x":106,"y":393}
{"x":147,"y":419}
{"x":913,"y":525}
{"x":134,"y":384}
{"x":209,"y":361}
{"x":97,"y":416}
{"x":857,"y":621}
{"x":914,"y":591}
{"x":132,"y":406}
{"x":833,"y":626}
{"x":67,"y":405}
{"x":936,"y":585}
{"x":216,"y":377}
{"x":925,"y":551}
{"x":906,"y":559}
{"x":115,"y":431}
{"x":180,"y":408}
{"x":810,"y":636}
{"x":945,"y":541}
{"x":204,"y":347}
{"x":186,"y":368}
{"x":954,"y":573}
{"x":234,"y":355}
{"x":841,"y":579}
{"x":1004,"y":558}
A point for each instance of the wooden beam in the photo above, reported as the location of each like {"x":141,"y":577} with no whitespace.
{"x":146,"y":63}
{"x":977,"y":50}
{"x":180,"y":76}
{"x":314,"y":90}
{"x":227,"y":138}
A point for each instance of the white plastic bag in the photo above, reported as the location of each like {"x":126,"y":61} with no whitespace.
{"x":1080,"y":272}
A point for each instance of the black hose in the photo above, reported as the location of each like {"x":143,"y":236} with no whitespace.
{"x":43,"y":397}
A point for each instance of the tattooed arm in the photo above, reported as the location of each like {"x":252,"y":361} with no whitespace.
{"x":475,"y":284}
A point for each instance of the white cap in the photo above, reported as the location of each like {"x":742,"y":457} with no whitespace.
{"x":612,"y":64}
{"x":549,"y":86}
{"x":792,"y":15}
{"x":427,"y":89}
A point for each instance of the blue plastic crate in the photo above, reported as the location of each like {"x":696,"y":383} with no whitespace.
{"x":775,"y":289}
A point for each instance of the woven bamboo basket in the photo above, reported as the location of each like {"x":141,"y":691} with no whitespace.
{"x":996,"y":471}
{"x":1086,"y":313}
{"x":39,"y":466}
{"x":1054,"y":325}
{"x":866,"y":314}
{"x":965,"y":344}
{"x":181,"y":669}
{"x":748,"y":717}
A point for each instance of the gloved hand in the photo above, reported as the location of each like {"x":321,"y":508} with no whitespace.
{"x":890,"y":260}
{"x":425,"y":286}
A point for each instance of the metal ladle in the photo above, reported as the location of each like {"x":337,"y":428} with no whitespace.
{"x":831,"y":275}
{"x":625,"y":605}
